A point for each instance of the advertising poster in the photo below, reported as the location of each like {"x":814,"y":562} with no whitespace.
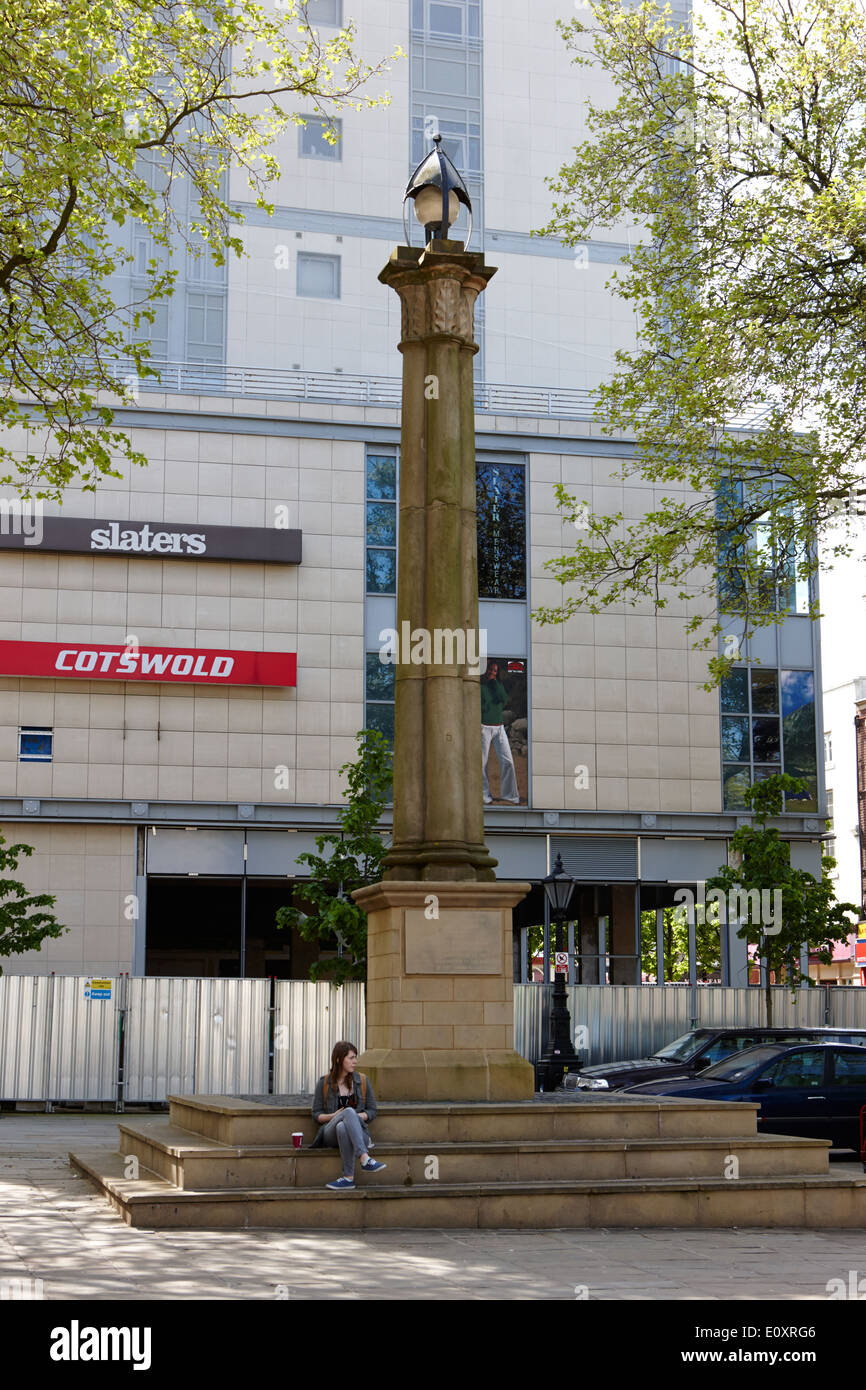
{"x":505,"y":732}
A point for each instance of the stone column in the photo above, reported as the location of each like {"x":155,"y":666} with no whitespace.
{"x":439,"y":957}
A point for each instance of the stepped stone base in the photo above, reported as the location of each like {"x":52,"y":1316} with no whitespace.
{"x":223,"y":1162}
{"x":443,"y":1074}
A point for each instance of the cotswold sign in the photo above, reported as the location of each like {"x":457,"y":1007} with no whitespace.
{"x":161,"y":540}
{"x":96,"y":661}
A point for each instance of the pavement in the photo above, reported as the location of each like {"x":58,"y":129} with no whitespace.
{"x":54,"y":1227}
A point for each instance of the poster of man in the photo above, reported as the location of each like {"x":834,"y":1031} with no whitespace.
{"x":504,"y":730}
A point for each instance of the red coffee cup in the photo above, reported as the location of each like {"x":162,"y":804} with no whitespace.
{"x":297,"y":1140}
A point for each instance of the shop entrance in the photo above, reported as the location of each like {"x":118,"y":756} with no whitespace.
{"x":222,"y":927}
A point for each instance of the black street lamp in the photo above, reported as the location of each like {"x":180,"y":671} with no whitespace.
{"x":437,"y":190}
{"x":559,"y":1054}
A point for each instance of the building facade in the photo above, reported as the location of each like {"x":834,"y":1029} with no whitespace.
{"x":183,"y":673}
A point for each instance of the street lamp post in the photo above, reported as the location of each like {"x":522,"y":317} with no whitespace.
{"x":559,"y":1054}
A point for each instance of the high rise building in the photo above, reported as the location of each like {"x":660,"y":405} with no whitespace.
{"x":168,"y":780}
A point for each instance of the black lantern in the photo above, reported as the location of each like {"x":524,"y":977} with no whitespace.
{"x":437,"y":190}
{"x":559,"y":1055}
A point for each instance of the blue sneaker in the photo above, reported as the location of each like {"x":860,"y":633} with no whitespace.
{"x":371,"y":1166}
{"x":342,"y":1185}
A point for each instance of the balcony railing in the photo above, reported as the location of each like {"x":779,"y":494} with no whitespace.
{"x":337,"y":388}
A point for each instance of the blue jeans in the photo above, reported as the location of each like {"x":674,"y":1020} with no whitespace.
{"x":346,"y":1129}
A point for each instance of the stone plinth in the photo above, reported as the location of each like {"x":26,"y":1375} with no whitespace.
{"x":440,"y":998}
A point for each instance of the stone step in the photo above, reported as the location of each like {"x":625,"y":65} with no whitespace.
{"x":791,"y":1200}
{"x":194,"y":1162}
{"x":237,"y":1122}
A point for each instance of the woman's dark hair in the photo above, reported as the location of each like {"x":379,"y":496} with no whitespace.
{"x":339,"y":1054}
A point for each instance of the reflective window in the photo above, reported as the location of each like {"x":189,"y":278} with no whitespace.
{"x":35,"y":744}
{"x":756,"y":743}
{"x":849,"y":1069}
{"x":798,"y":731}
{"x":501,"y":503}
{"x":325,"y":12}
{"x":381,"y":523}
{"x":312,"y":140}
{"x":318,"y":276}
{"x":380,"y":696}
{"x":797,"y":1069}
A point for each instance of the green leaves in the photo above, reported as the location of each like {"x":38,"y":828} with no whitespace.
{"x":735,"y":152}
{"x":23,"y":925}
{"x":109,"y":114}
{"x":760,"y":859}
{"x":345,"y":861}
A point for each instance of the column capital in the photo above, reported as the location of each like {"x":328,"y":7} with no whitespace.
{"x":438,"y":286}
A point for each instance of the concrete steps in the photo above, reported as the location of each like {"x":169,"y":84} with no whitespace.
{"x":223,"y":1162}
{"x":194,"y":1162}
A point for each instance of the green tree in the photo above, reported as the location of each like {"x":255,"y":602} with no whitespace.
{"x":734,"y":149}
{"x":131,"y":111}
{"x":809,"y":914}
{"x":24,"y":924}
{"x":353,"y":860}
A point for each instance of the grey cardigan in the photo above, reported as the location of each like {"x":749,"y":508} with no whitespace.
{"x":321,"y":1106}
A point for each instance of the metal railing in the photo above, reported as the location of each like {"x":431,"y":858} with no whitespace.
{"x":337,"y":388}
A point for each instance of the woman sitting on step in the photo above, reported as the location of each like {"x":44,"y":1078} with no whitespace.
{"x":344,"y":1104}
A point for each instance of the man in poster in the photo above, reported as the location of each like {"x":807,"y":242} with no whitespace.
{"x":493,"y":701}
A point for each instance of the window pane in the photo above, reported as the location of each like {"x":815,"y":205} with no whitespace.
{"x":312,"y":143}
{"x":380,"y":678}
{"x":735,"y":739}
{"x":325,"y":12}
{"x":381,"y":476}
{"x":798,"y":1069}
{"x":765,"y":695}
{"x":446,"y":19}
{"x":736,"y":780}
{"x":798,"y":735}
{"x":381,"y":523}
{"x":381,"y":572}
{"x":443,"y":76}
{"x":735,"y":693}
{"x":381,"y":717}
{"x":501,"y":502}
{"x":34,"y":745}
{"x":318,"y":276}
{"x":765,"y":741}
{"x":850,"y":1070}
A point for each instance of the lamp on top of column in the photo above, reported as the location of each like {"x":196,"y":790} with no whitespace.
{"x":437,"y":190}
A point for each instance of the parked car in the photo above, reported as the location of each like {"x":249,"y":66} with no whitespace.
{"x":813,"y":1092}
{"x":693,"y":1052}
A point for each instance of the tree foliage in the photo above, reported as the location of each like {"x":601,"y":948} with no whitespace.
{"x":675,"y":945}
{"x":736,"y":148}
{"x":119,"y":112}
{"x":347,"y":859}
{"x":24,"y":924}
{"x":810,"y":915}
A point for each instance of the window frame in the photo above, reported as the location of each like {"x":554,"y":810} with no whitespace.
{"x":33,"y":730}
{"x":321,"y":123}
{"x":305,"y":258}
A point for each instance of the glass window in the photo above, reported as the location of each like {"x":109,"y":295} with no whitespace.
{"x":849,"y":1069}
{"x":735,"y":692}
{"x":682,"y":1048}
{"x":205,"y":326}
{"x":735,"y":739}
{"x":798,"y":734}
{"x":446,"y":19}
{"x":312,"y":142}
{"x":798,"y":1069}
{"x":318,"y":276}
{"x":501,"y":503}
{"x":381,"y":523}
{"x":35,"y":745}
{"x":380,"y":696}
{"x":325,"y":12}
{"x":765,"y":692}
{"x":737,"y":780}
{"x":765,"y":741}
{"x":381,"y":475}
{"x":739,"y":1065}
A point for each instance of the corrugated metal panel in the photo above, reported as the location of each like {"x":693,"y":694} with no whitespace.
{"x":84,"y":1041}
{"x":311,"y":1015}
{"x":848,"y":1007}
{"x":595,"y":860}
{"x":25,"y":1002}
{"x":232,"y":1037}
{"x":746,"y":1008}
{"x":160,"y":1037}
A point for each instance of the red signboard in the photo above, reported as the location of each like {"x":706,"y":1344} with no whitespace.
{"x":98,"y":661}
{"x":860,"y":952}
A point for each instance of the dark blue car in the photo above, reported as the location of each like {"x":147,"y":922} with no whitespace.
{"x":813,"y":1092}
